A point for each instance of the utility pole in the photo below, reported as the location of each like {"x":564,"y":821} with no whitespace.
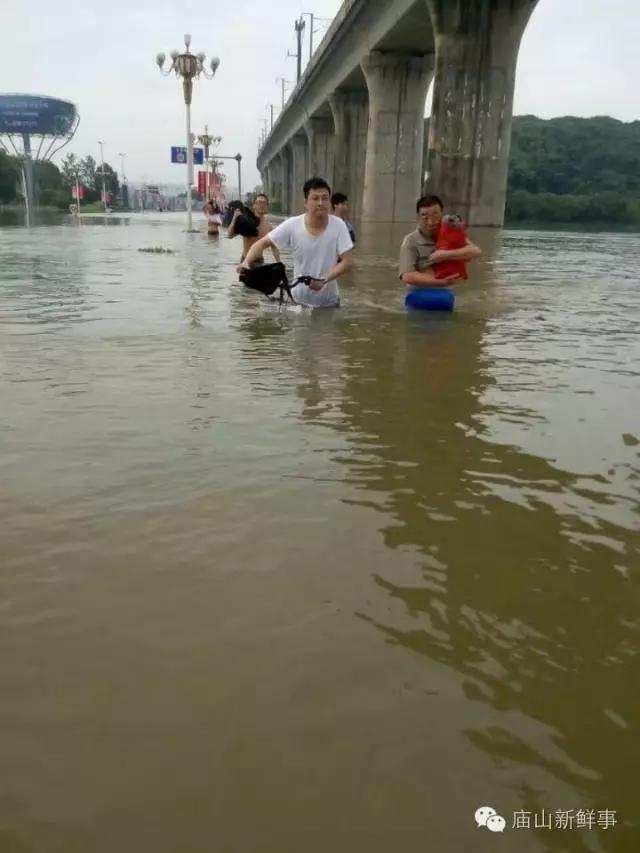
{"x":299,"y":28}
{"x":312,"y":19}
{"x":271,"y":108}
{"x":283,"y":83}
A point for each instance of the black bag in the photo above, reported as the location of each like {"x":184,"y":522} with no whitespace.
{"x":231,"y":209}
{"x":246,"y":224}
{"x":266,"y":279}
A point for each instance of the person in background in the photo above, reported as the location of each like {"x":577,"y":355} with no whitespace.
{"x":340,"y":208}
{"x":320,"y":243}
{"x":418,"y":252}
{"x":214,"y":220}
{"x":252,"y":225}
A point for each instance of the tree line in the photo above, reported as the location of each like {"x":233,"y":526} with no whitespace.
{"x":561,"y":170}
{"x":581,"y":170}
{"x":53,"y":184}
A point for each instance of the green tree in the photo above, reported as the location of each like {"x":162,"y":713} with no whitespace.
{"x":70,"y":167}
{"x":88,"y":172}
{"x":8,"y":178}
{"x":574,"y":170}
{"x":111,"y":183}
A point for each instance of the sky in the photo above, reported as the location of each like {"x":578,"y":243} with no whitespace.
{"x":578,"y":57}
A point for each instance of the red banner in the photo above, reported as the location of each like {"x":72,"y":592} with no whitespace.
{"x":81,"y":191}
{"x":202,"y":183}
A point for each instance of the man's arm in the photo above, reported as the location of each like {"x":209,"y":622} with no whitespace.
{"x":427,"y":279}
{"x":345,"y":262}
{"x":257,"y":250}
{"x":231,"y":231}
{"x":469,"y":252}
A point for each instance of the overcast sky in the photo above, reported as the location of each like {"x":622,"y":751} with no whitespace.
{"x":578,"y":57}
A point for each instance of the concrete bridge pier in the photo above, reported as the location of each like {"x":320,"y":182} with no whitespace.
{"x":319,"y":130}
{"x":350,"y":109}
{"x":267,"y":179}
{"x":477,"y":43}
{"x":285,"y":160}
{"x":275,"y":182}
{"x":398,"y":85}
{"x":299,"y":159}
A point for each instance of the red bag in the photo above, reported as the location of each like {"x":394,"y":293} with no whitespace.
{"x":452,"y":234}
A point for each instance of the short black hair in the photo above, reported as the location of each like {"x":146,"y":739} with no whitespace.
{"x":261,"y":195}
{"x":338,"y":198}
{"x":429,"y":201}
{"x":315,"y":183}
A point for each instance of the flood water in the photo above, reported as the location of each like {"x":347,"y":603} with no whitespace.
{"x":316,"y":582}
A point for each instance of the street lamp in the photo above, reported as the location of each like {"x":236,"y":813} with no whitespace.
{"x":104,"y":190}
{"x":206,"y":140}
{"x":238,"y":159}
{"x":124,"y":193}
{"x":189,"y":67}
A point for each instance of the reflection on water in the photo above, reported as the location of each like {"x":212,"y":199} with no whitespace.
{"x":327,"y":580}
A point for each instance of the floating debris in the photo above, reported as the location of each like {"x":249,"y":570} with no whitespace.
{"x":158,"y":250}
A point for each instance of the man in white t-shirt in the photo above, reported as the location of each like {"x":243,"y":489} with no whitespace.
{"x":321,"y":246}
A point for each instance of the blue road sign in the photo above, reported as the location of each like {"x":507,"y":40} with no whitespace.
{"x":179,"y":155}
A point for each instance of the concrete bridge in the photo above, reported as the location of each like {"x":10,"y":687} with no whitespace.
{"x":357,"y":115}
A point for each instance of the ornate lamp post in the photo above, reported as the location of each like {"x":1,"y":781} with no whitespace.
{"x":206,"y":140}
{"x":189,"y":67}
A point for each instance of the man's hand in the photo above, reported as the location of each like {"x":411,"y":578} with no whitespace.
{"x":439,"y":255}
{"x":317,"y":284}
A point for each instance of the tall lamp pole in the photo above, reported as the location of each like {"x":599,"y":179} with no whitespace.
{"x":122,"y":155}
{"x":104,"y":189}
{"x":206,"y":140}
{"x":189,"y":67}
{"x":124,"y":194}
{"x":238,"y":159}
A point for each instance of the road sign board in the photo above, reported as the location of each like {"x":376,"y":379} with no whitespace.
{"x":179,"y":155}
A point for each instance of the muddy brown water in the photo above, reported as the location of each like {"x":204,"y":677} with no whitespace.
{"x":316,"y":582}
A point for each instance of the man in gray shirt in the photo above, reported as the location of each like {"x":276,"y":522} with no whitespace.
{"x":418,"y":252}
